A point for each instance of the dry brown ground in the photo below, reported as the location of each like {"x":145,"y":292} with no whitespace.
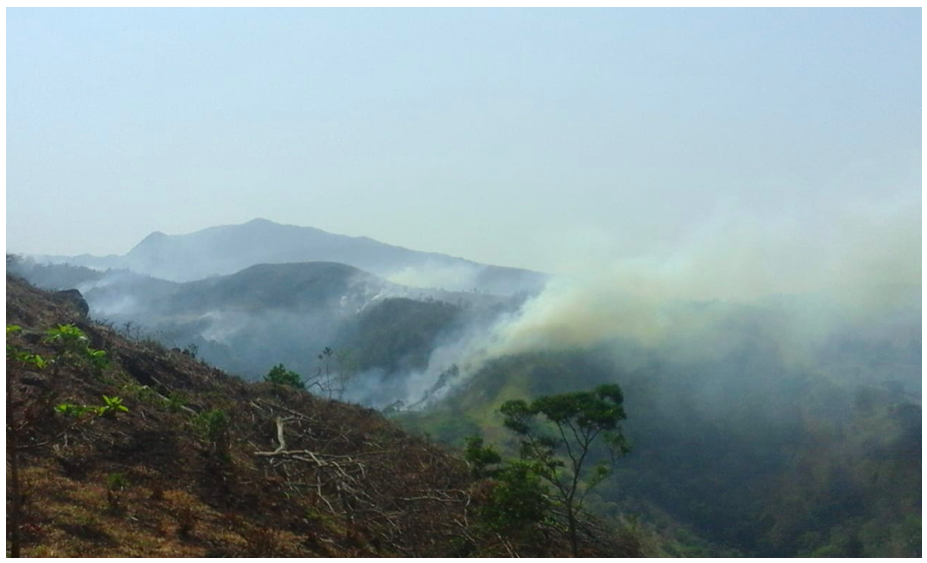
{"x":344,"y":482}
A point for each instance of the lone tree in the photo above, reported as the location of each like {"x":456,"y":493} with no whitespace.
{"x":557,"y":444}
{"x":334,"y":382}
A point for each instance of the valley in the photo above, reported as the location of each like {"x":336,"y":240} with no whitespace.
{"x":735,"y":428}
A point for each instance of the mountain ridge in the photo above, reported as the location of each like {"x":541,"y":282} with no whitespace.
{"x":226,"y":249}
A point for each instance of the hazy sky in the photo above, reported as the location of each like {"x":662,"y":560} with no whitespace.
{"x":537,"y":138}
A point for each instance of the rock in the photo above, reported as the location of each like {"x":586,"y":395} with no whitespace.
{"x":73,"y":297}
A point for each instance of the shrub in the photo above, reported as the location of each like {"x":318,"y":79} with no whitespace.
{"x":176,"y":401}
{"x":191,"y":350}
{"x":74,"y":344}
{"x":480,"y":457}
{"x":70,"y":409}
{"x":20,"y":355}
{"x":116,"y":483}
{"x":518,"y":500}
{"x":67,"y":336}
{"x":213,"y":427}
{"x":111,"y":406}
{"x":279,"y":375}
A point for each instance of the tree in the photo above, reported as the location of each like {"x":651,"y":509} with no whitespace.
{"x":518,"y":499}
{"x":570,"y":427}
{"x":334,"y":382}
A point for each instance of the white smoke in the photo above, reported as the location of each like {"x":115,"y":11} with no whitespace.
{"x":801,"y":279}
{"x":454,"y":277}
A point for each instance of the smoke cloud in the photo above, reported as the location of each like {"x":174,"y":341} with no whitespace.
{"x":795,"y":280}
{"x":855,"y":261}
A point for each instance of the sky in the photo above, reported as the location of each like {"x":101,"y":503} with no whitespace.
{"x":544,"y":139}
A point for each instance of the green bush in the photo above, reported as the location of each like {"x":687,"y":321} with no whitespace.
{"x":20,"y":355}
{"x":279,"y":375}
{"x":480,"y":457}
{"x":212,"y":426}
{"x":117,"y":481}
{"x":111,"y":406}
{"x":176,"y":401}
{"x":67,"y":336}
{"x":73,"y":344}
{"x":518,"y":500}
{"x":69,"y":409}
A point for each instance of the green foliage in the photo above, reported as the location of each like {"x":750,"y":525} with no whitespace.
{"x":561,"y":457}
{"x":213,"y":427}
{"x":772,"y":465}
{"x":480,"y":457}
{"x":70,"y":409}
{"x":97,"y":358}
{"x":24,"y":357}
{"x":176,"y":400}
{"x":19,"y":355}
{"x":66,"y":335}
{"x":74,"y":344}
{"x":279,"y":375}
{"x":117,"y":481}
{"x":517,"y":500}
{"x":111,"y":406}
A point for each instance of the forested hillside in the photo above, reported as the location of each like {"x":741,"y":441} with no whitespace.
{"x":742,"y":455}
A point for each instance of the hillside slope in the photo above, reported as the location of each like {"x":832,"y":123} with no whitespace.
{"x":204,"y":464}
{"x":250,"y":320}
{"x":744,"y":453}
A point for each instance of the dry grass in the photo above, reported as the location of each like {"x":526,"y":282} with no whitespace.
{"x":346,"y":482}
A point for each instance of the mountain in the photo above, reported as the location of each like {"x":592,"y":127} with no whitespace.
{"x":249,"y":321}
{"x":227,"y":249}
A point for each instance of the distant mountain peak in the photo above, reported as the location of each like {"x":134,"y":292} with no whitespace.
{"x":261,"y":221}
{"x":153,"y":237}
{"x":226,"y":249}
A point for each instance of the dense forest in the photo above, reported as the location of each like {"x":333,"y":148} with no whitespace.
{"x":782,"y":465}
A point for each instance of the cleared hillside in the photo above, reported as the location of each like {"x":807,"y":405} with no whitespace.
{"x":205,"y":464}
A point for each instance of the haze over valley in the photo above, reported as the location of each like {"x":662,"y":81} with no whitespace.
{"x":752,"y":369}
{"x":690,"y":240}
